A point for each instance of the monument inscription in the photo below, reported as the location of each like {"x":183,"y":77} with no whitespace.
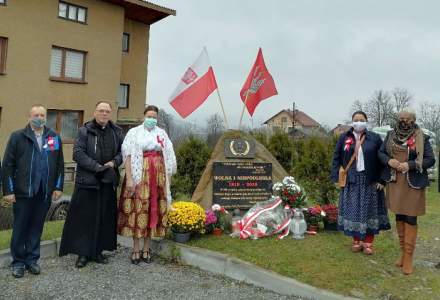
{"x":241,"y":184}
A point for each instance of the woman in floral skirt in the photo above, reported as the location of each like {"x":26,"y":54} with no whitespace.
{"x":362,"y":211}
{"x":145,"y":196}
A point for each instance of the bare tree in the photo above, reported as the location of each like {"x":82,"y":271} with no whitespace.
{"x":165,"y":121}
{"x":429,"y":117}
{"x":214,"y":128}
{"x":356,"y":106}
{"x":402,"y":99}
{"x":380,"y":108}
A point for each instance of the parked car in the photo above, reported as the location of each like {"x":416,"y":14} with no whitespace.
{"x":432,"y":172}
{"x":57,"y":211}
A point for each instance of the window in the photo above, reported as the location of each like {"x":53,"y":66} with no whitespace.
{"x":67,"y":65}
{"x":283,"y":119}
{"x":3,"y":50}
{"x":2,"y":2}
{"x":65,"y":122}
{"x":125,"y":42}
{"x":124,"y":92}
{"x":72,"y":12}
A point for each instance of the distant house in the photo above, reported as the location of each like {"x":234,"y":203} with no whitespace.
{"x":340,"y":129}
{"x":305,"y":125}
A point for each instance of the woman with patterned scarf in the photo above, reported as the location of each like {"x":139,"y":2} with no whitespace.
{"x":406,"y":154}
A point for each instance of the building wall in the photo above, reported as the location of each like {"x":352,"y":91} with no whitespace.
{"x":277,"y":122}
{"x":32,"y":27}
{"x":134,"y":68}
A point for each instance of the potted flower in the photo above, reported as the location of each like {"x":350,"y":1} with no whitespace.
{"x":217,"y":220}
{"x":314,"y":215}
{"x":290,"y":192}
{"x":331,"y":217}
{"x":185,"y":218}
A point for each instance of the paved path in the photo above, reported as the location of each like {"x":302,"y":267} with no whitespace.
{"x":122,"y":280}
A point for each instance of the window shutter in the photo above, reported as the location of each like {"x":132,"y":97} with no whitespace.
{"x":74,"y":65}
{"x":56,"y":62}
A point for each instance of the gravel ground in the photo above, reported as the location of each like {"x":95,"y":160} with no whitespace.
{"x":122,"y":280}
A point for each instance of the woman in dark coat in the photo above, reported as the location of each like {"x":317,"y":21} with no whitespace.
{"x":90,"y":226}
{"x":362,"y":212}
{"x":406,"y":154}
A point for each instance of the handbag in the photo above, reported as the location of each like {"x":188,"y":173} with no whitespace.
{"x":342,"y":179}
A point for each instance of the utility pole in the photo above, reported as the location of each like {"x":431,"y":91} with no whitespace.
{"x":293,"y":134}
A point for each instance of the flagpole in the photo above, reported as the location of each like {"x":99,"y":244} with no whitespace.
{"x":218,"y":93}
{"x":244,"y":107}
{"x":223,"y":110}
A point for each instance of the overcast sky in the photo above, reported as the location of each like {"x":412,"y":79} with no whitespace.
{"x":322,"y":54}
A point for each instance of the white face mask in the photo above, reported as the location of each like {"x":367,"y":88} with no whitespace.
{"x":359,"y":126}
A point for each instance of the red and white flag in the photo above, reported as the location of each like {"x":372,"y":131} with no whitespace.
{"x":258,"y":86}
{"x":196,"y":85}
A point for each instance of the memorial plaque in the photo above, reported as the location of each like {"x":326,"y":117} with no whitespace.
{"x":241,"y":184}
{"x":239,"y":148}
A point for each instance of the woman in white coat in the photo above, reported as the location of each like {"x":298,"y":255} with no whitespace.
{"x":145,"y":196}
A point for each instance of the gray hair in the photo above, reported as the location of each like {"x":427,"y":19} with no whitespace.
{"x":410,"y":112}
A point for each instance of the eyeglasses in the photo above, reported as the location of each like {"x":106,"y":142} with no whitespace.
{"x":103,"y":111}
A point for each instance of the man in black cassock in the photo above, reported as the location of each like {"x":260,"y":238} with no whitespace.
{"x":90,"y":226}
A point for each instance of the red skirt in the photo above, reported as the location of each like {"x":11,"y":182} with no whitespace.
{"x":145,"y":213}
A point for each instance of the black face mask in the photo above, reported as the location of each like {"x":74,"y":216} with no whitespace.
{"x":405,"y":126}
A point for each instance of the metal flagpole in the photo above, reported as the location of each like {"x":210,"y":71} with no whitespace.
{"x":223,"y":110}
{"x":218,"y":94}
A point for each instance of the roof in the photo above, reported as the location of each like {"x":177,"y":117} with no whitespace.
{"x":143,"y":11}
{"x":300,"y":117}
{"x":341,"y":127}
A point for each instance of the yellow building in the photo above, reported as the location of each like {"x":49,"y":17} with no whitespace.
{"x":286,"y":119}
{"x":67,"y":55}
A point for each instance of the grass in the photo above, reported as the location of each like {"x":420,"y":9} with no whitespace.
{"x":325,"y":260}
{"x":52,"y":230}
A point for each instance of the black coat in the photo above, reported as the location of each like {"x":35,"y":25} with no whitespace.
{"x":86,"y":154}
{"x":370,"y":147}
{"x":21,"y":157}
{"x":416,"y":179}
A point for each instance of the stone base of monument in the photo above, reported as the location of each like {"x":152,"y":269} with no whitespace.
{"x":239,"y":174}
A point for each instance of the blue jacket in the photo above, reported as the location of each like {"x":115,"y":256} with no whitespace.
{"x":26,"y":168}
{"x":370,"y":147}
{"x":415,"y":178}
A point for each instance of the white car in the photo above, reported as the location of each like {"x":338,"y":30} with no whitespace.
{"x":432,"y":172}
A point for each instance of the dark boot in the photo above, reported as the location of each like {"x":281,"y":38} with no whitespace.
{"x":81,"y":262}
{"x":410,"y":245}
{"x":400,"y":228}
{"x":101,"y":259}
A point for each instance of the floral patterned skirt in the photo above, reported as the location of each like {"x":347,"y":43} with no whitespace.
{"x":145,"y":213}
{"x":362,"y":209}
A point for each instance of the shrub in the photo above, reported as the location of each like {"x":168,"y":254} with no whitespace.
{"x":192,"y":157}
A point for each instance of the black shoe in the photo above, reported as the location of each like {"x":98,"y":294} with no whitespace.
{"x":81,"y":262}
{"x":18,"y":272}
{"x":146,"y":256}
{"x":34,"y":268}
{"x":135,"y":260}
{"x":101,"y":259}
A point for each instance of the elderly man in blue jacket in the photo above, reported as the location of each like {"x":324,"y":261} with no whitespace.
{"x":33,"y":175}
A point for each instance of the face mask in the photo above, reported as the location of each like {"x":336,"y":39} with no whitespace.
{"x":38,"y":123}
{"x":359,"y":126}
{"x":150,"y":123}
{"x":405,"y":125}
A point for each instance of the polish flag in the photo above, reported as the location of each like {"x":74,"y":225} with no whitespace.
{"x":194,"y":87}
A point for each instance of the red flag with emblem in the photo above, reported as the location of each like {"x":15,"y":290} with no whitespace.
{"x":258,"y":86}
{"x":194,"y":87}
